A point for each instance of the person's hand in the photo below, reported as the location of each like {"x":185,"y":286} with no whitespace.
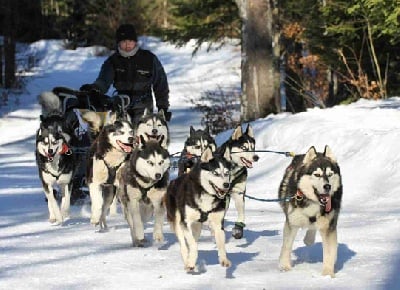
{"x":167,"y":114}
{"x":89,"y":88}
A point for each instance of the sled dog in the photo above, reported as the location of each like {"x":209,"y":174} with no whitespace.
{"x":195,"y":198}
{"x":153,"y":126}
{"x":143,"y":184}
{"x":197,"y":142}
{"x":313,"y":187}
{"x":239,"y":151}
{"x":107,"y":154}
{"x":54,"y":159}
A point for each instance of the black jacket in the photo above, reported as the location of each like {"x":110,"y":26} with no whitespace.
{"x":136,"y":76}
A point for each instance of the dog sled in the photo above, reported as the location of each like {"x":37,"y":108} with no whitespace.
{"x":74,"y":104}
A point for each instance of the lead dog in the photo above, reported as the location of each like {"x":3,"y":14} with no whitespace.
{"x":195,"y":198}
{"x":54,"y":159}
{"x":312,"y":184}
{"x":106,"y":156}
{"x":239,"y":151}
{"x":143,"y":184}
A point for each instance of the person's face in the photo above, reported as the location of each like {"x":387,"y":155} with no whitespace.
{"x":127,"y":45}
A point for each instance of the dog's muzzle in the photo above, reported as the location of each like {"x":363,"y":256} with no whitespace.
{"x":220,"y":192}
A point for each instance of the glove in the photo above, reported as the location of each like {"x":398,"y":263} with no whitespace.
{"x":167,"y":114}
{"x":90,"y":88}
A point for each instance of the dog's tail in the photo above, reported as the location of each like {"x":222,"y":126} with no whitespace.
{"x":170,"y":202}
{"x":94,"y":121}
{"x":51,"y":104}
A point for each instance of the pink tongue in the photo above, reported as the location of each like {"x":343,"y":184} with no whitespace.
{"x":124,"y":147}
{"x":326,"y":199}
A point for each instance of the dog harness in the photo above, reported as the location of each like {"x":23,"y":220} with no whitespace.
{"x":113,"y":170}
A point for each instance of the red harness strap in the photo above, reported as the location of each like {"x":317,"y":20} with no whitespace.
{"x":65,"y":149}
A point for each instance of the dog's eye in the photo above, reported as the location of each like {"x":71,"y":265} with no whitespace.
{"x":150,"y":162}
{"x":329,"y":174}
{"x":197,"y":147}
{"x":216,"y":173}
{"x":317,"y":175}
{"x":54,"y":142}
{"x":161,"y":162}
{"x":244,"y":148}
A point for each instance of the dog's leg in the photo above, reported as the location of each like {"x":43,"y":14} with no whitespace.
{"x":108,"y":197}
{"x":178,"y":228}
{"x":54,"y":211}
{"x":192,"y":245}
{"x":137,"y":228}
{"x":196,"y":230}
{"x":216,"y":220}
{"x":96,"y":199}
{"x":309,"y":238}
{"x":113,"y":206}
{"x":238,"y":198}
{"x":66,"y":200}
{"x":156,"y":197}
{"x":329,"y":245}
{"x":289,"y":234}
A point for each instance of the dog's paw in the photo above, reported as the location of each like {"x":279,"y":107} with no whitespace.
{"x":190,"y":269}
{"x":237,"y":231}
{"x":225,"y":262}
{"x":158,"y":237}
{"x":140,"y":243}
{"x":328,"y":271}
{"x":285,"y":267}
{"x":95,"y":221}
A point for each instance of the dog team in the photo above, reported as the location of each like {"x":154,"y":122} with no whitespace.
{"x":130,"y":165}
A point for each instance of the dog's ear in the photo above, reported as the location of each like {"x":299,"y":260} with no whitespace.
{"x":161,"y":114}
{"x":328,"y":153}
{"x":192,"y":131}
{"x":146,"y":112}
{"x":207,"y":155}
{"x":227,"y":154}
{"x":237,"y":133}
{"x":310,"y":155}
{"x":249,"y":131}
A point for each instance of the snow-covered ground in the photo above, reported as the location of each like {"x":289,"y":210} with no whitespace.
{"x":364,"y":137}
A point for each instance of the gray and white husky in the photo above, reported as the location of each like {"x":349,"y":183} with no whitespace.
{"x":143,"y":184}
{"x":239,"y":151}
{"x":107,"y":154}
{"x":195,"y":198}
{"x":153,"y":126}
{"x":196,"y":143}
{"x":313,"y":187}
{"x":54,"y":158}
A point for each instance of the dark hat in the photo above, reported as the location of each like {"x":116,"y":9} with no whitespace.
{"x":126,"y":32}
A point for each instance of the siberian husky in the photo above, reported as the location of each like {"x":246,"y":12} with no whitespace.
{"x":197,"y":142}
{"x":55,"y":162}
{"x":153,"y":126}
{"x":143,"y":184}
{"x":239,"y":151}
{"x":195,"y":198}
{"x":107,"y":154}
{"x":311,"y":193}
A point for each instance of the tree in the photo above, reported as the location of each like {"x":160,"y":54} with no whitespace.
{"x":9,"y":23}
{"x":215,"y":20}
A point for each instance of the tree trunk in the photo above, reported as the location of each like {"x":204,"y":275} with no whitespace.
{"x":260,"y":76}
{"x":9,"y":44}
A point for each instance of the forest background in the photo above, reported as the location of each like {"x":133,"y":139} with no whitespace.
{"x":296,"y":54}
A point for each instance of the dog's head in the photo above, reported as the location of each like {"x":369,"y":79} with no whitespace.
{"x":240,"y":150}
{"x":153,"y":126}
{"x":319,"y":177}
{"x":120,"y":135}
{"x":151,"y":159}
{"x":198,"y":141}
{"x":214,"y":174}
{"x":51,"y":138}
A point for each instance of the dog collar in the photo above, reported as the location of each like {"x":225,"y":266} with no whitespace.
{"x":65,"y":149}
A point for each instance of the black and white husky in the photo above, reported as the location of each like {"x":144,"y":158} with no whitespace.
{"x":239,"y":151}
{"x":55,"y":162}
{"x":312,"y":188}
{"x":195,"y":198}
{"x":153,"y":126}
{"x":143,"y":184}
{"x":107,"y":154}
{"x":196,"y":143}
